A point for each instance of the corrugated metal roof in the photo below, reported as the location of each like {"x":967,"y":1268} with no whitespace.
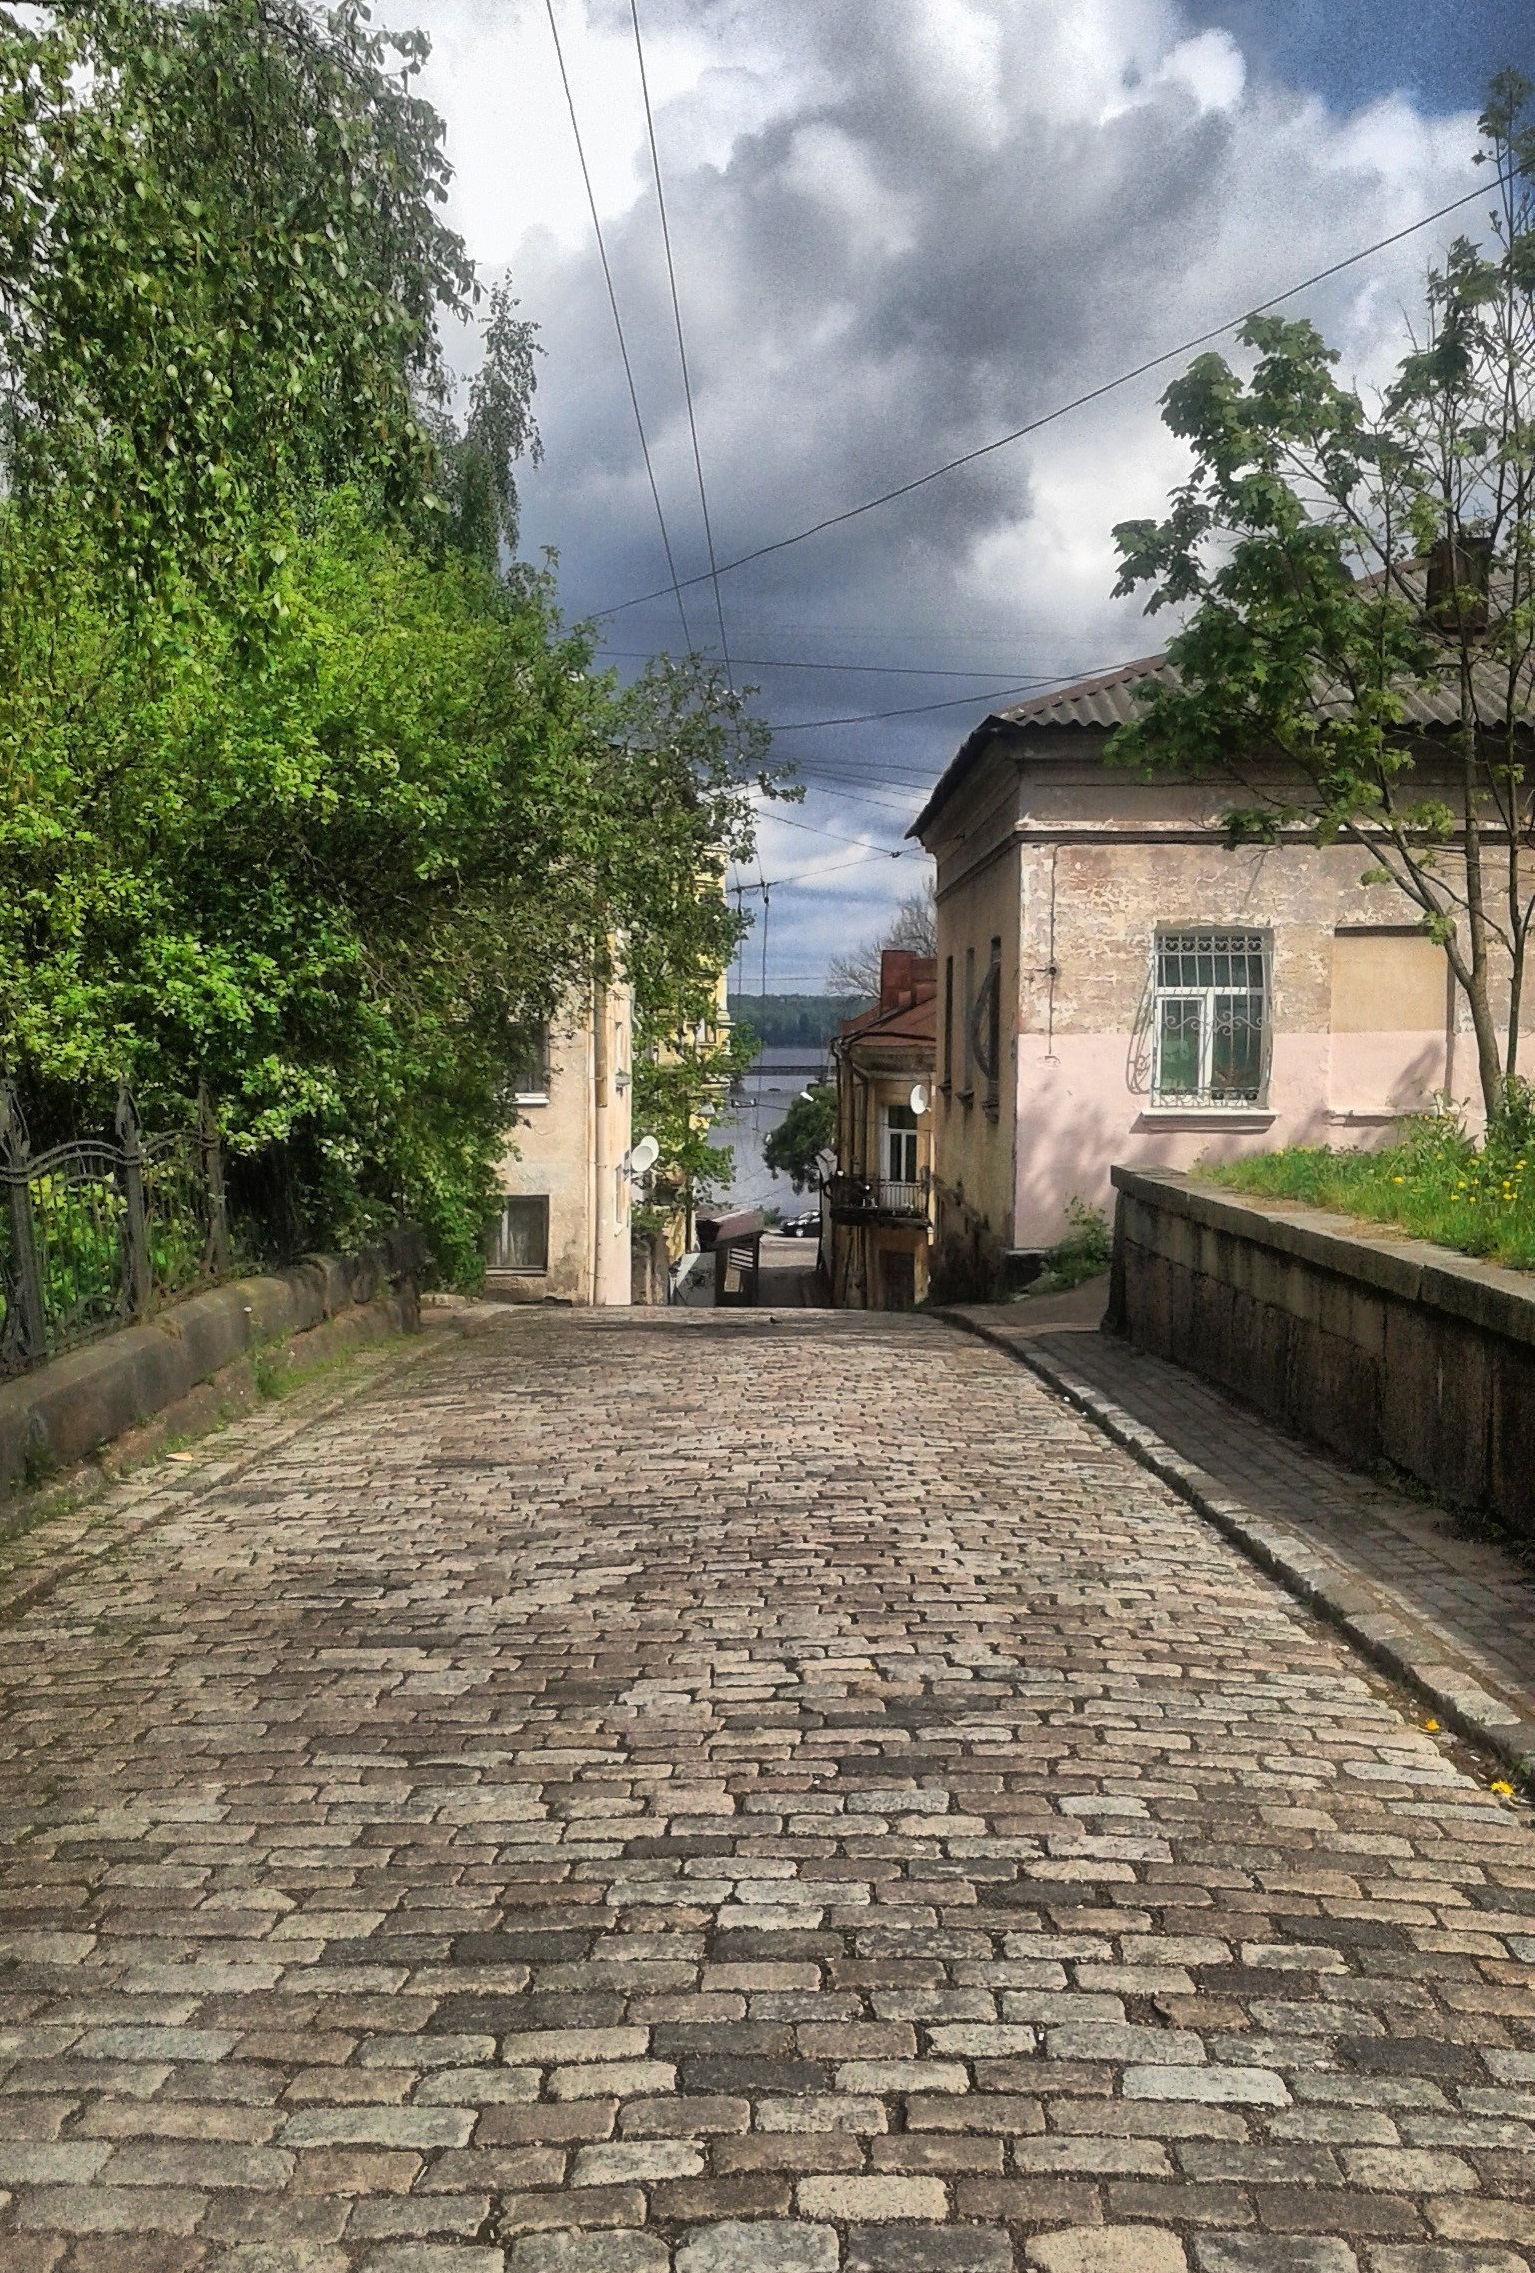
{"x":1108,"y":700}
{"x":1113,"y":698}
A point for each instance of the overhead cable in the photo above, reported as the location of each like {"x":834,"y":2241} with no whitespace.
{"x":833,"y":868}
{"x":682,"y":347}
{"x":1062,"y":410}
{"x":618,"y":325}
{"x":836,"y":835}
{"x":881,"y":670}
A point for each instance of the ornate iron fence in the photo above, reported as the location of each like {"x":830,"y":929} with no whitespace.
{"x":96,"y":1234}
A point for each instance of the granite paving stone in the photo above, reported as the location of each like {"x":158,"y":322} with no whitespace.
{"x":665,"y":1792}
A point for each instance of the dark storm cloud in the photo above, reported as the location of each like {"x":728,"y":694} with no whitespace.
{"x":934,"y":220}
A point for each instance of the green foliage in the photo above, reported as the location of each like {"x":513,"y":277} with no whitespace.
{"x":338,"y":873}
{"x":801,"y":1144}
{"x":683,"y":1073}
{"x":1296,"y":553}
{"x":301,"y":791}
{"x":223,"y":262}
{"x":1083,"y":1254}
{"x":1437,"y":1183}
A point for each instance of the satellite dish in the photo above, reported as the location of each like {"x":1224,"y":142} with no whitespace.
{"x":919,"y":1098}
{"x":644,"y":1156}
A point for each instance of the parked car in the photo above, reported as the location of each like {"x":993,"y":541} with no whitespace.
{"x":806,"y":1226}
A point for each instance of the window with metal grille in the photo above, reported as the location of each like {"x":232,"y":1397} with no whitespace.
{"x":520,"y":1235}
{"x":1211,"y":1018}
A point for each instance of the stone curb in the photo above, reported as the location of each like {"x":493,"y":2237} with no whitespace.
{"x":64,"y":1411}
{"x":101,"y":1535}
{"x":1409,"y":1652}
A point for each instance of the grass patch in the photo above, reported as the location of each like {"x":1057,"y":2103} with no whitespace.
{"x":1083,"y":1254}
{"x":1437,"y":1183}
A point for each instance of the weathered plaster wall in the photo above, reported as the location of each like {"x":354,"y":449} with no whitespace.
{"x":571,"y":1147}
{"x":1076,"y":865}
{"x":1379,"y":1348}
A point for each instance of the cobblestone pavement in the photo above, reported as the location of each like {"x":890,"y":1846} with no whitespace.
{"x":737,"y":1795}
{"x":1460,"y":1605}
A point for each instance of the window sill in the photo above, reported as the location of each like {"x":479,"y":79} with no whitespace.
{"x":531,"y":1097}
{"x":1238,"y":1117}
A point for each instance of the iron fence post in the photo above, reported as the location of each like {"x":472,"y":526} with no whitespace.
{"x":15,"y":1164}
{"x":138,"y":1281}
{"x":213,"y":1182}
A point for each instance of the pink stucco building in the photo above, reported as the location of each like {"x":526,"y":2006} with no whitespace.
{"x":1114,"y":984}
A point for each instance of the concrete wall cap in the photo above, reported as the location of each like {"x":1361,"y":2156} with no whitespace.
{"x":67,"y":1409}
{"x":1413,"y":1270}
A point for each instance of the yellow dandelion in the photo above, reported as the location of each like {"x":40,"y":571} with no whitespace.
{"x":1431,"y":1725}
{"x":1503,"y":1790}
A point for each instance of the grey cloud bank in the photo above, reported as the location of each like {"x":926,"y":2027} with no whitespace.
{"x":902,"y":227}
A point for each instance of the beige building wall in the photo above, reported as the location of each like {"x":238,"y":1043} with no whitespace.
{"x":569,"y":1152}
{"x":862,"y":1277}
{"x":1075,"y":867}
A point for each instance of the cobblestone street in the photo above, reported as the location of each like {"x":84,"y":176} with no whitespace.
{"x":725,"y":1793}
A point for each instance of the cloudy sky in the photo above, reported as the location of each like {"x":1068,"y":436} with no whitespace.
{"x":902,"y":228}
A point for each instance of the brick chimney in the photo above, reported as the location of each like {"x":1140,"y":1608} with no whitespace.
{"x":905,"y":978}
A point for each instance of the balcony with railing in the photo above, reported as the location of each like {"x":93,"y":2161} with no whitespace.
{"x":860,"y":1198}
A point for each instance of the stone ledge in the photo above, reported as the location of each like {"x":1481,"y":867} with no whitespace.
{"x":1410,"y":1652}
{"x":1413,"y":1270}
{"x":65,"y":1412}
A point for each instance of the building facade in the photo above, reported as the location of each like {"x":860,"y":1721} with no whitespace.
{"x":878,"y":1210}
{"x":563,"y":1232}
{"x":1116,"y":985}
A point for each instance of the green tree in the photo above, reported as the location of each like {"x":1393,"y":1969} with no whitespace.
{"x":1359,"y":591}
{"x":221,"y":269}
{"x":337,"y":873}
{"x":302,"y":790}
{"x":800,"y":1146}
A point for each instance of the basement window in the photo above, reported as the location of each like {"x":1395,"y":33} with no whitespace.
{"x":519,"y":1239}
{"x":1211,"y":1025}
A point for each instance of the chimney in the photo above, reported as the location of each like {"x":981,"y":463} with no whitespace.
{"x":903,"y":975}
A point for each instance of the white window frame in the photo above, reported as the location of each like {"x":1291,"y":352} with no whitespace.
{"x":538,"y":1096}
{"x":909,"y":1143}
{"x":1215,"y":942}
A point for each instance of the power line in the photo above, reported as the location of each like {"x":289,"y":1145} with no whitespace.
{"x":919,"y":709}
{"x":1048,"y":418}
{"x":618,"y":325}
{"x":682,"y":350}
{"x":810,"y":875}
{"x":853,"y":797}
{"x":809,"y":826}
{"x":883,"y":670}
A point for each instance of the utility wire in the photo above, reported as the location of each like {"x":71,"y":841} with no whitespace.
{"x":1048,"y":418}
{"x":618,"y":325}
{"x":682,"y":349}
{"x":810,"y":827}
{"x":918,"y":709}
{"x":810,"y":875}
{"x":882,"y":670}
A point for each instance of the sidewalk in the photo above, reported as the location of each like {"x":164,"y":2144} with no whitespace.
{"x":1453,"y":1615}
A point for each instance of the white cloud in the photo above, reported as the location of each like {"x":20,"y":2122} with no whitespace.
{"x":902,"y":228}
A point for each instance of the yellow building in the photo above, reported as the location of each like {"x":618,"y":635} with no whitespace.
{"x":879,"y":1200}
{"x":563,"y":1234}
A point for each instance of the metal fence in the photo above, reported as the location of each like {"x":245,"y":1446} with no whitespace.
{"x":96,"y":1234}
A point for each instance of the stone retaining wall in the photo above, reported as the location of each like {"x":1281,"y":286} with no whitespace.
{"x":1381,"y":1349}
{"x":174,"y":1374}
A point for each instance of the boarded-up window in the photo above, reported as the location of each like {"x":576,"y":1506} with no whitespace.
{"x":1388,"y":982}
{"x":520,"y":1235}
